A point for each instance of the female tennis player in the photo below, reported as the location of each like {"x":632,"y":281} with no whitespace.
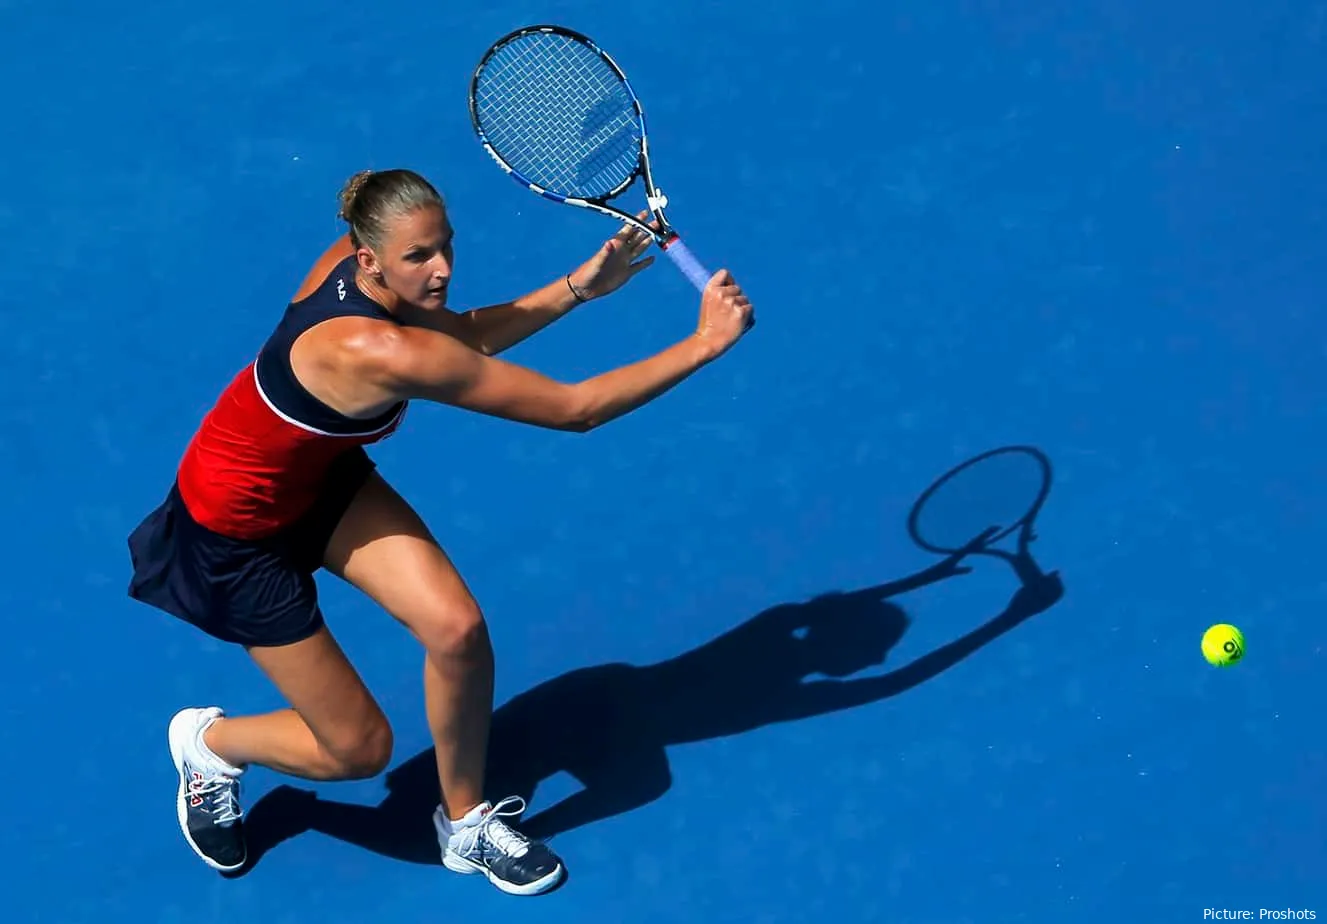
{"x":276,"y":484}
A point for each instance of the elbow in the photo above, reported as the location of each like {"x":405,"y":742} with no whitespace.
{"x":579,"y":423}
{"x":581,"y":413}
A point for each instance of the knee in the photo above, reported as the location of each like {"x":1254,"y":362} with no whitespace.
{"x":364,"y":753}
{"x":457,"y":630}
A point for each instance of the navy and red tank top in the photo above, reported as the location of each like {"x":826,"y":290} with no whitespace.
{"x":259,"y":457}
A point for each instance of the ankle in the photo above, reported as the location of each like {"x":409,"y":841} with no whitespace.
{"x":208,"y":736}
{"x":458,"y":815}
{"x":212,"y":742}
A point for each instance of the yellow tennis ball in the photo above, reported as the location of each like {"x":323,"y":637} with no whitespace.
{"x":1223,"y":645}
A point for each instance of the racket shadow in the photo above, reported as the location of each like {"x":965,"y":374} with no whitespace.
{"x":610,"y":726}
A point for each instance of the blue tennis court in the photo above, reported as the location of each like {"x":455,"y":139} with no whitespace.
{"x":731,"y":683}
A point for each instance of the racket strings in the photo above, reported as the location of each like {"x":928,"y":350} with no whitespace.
{"x":559,"y":115}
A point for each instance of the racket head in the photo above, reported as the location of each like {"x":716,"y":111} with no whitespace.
{"x":1002,"y":488}
{"x":557,"y":113}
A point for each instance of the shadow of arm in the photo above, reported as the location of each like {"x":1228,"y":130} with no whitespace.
{"x":824,"y":696}
{"x":788,"y":617}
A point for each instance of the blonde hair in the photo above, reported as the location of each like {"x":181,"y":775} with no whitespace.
{"x":372,"y":198}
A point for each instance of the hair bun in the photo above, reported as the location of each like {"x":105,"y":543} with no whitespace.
{"x":349,"y":191}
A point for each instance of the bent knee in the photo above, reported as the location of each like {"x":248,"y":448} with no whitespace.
{"x":457,"y":629}
{"x":362,"y":753}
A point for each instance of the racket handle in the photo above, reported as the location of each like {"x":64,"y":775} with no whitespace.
{"x":688,"y":264}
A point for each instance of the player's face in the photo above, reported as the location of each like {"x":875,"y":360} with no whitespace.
{"x":416,"y":257}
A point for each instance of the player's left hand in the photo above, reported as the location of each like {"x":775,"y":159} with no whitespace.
{"x":616,"y":262}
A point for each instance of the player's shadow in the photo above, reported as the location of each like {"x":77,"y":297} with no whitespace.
{"x":609,"y":726}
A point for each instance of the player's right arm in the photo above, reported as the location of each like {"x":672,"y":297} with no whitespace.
{"x":417,"y":363}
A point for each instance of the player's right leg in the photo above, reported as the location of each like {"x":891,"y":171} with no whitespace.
{"x":260,"y":595}
{"x":334,"y":730}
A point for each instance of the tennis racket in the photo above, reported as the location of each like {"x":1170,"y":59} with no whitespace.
{"x":982,"y":501}
{"x":558,"y":116}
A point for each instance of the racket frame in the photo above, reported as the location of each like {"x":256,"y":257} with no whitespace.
{"x":1023,"y":525}
{"x":665,"y":235}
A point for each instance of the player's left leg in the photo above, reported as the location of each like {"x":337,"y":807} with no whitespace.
{"x":382,"y":547}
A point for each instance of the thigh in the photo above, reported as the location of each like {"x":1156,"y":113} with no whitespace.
{"x":319,"y":682}
{"x":383,"y":547}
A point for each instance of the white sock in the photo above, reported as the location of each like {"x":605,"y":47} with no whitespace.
{"x":450,"y":826}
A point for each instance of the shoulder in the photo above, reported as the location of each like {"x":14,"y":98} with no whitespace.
{"x":398,"y":358}
{"x":363,"y":347}
{"x":354,"y":343}
{"x":328,"y":261}
{"x":356,"y":351}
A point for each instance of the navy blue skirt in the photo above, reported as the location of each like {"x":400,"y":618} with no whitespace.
{"x":249,"y":592}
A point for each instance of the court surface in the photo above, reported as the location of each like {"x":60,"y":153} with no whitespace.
{"x":1098,"y":231}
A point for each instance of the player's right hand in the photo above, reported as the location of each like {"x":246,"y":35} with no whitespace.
{"x":725,"y":312}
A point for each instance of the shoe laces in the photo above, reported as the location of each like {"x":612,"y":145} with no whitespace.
{"x":494,"y":831}
{"x":218,"y":793}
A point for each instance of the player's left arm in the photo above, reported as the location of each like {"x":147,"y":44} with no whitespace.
{"x":496,"y":328}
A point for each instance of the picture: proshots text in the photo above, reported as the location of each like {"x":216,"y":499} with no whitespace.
{"x":1262,"y":914}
